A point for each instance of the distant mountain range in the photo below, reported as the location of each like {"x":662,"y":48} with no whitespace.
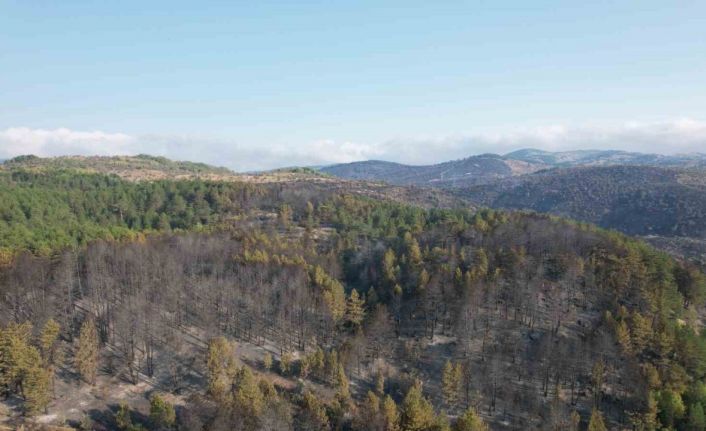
{"x":605,"y":158}
{"x":485,"y":168}
{"x":660,"y":198}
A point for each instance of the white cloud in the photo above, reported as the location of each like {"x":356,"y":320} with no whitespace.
{"x":669,"y":137}
{"x":47,"y":143}
{"x":22,"y":140}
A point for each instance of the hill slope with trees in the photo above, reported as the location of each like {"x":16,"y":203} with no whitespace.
{"x":633,"y":199}
{"x":654,"y":196}
{"x":140,"y":167}
{"x":488,"y":168}
{"x":300,"y":306}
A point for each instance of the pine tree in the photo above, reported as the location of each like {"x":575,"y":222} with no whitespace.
{"x":671,"y":407}
{"x":649,"y":416}
{"x":470,"y":421}
{"x":318,"y":361}
{"x":249,"y":400}
{"x":285,"y":216}
{"x":310,"y":222}
{"x":380,"y":384}
{"x":441,"y":423}
{"x":417,"y":411}
{"x":696,"y":421}
{"x":391,"y":414}
{"x":622,"y":334}
{"x":164,"y":224}
{"x":458,"y":378}
{"x":389,"y":266}
{"x":480,"y":264}
{"x":47,"y":341}
{"x":423,"y":280}
{"x":336,"y":411}
{"x":220,"y":366}
{"x":87,"y":354}
{"x":49,"y":347}
{"x":641,"y":332}
{"x":22,"y":369}
{"x":451,"y":383}
{"x":458,"y":278}
{"x":597,"y":376}
{"x":36,"y":382}
{"x":335,"y":298}
{"x":267,"y":361}
{"x":14,"y":343}
{"x":342,"y":383}
{"x":372,"y":404}
{"x":314,"y":412}
{"x":268,"y":390}
{"x":448,"y":384}
{"x":414,"y":253}
{"x":331,"y":366}
{"x":162,"y":413}
{"x":123,"y":419}
{"x":355,"y":309}
{"x":479,"y":224}
{"x":305,"y":366}
{"x":596,"y":423}
{"x":285,"y":363}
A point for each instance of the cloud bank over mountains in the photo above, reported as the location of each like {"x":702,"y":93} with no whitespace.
{"x":668,"y":137}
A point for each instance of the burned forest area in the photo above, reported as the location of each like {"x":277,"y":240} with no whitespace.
{"x":225,"y":305}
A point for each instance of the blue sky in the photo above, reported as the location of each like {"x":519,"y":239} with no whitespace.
{"x":253,"y":85}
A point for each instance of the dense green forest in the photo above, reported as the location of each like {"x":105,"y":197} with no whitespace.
{"x":301,"y":307}
{"x":46,"y":211}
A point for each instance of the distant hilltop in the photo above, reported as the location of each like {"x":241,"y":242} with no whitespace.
{"x":489,"y":167}
{"x":138,"y":167}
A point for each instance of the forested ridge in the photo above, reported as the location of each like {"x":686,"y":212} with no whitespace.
{"x":637,"y":200}
{"x":142,"y":166}
{"x":489,"y":168}
{"x":49,"y":209}
{"x":301,"y":307}
{"x":45,"y":211}
{"x":638,"y":194}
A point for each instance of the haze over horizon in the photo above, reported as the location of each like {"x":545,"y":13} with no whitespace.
{"x":263,"y":86}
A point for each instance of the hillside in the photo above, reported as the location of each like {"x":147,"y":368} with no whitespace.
{"x":140,"y":167}
{"x":146,"y":168}
{"x":294,"y":305}
{"x":693,"y":249}
{"x":638,"y":194}
{"x":487,"y":168}
{"x":471,"y":170}
{"x":605,"y":158}
{"x":632,"y":199}
{"x":48,"y":208}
